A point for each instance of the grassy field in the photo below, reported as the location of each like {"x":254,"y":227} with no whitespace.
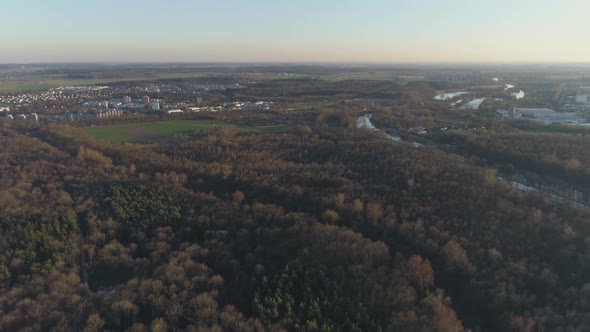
{"x":368,"y":75}
{"x":35,"y":82}
{"x":568,"y":77}
{"x":412,"y":78}
{"x":31,"y":83}
{"x":153,"y":132}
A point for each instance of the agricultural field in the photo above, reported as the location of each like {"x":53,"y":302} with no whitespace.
{"x":154,"y":132}
{"x":42,"y":82}
{"x":412,"y":78}
{"x":364,"y":75}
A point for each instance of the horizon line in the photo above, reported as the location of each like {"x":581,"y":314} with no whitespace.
{"x":311,"y":62}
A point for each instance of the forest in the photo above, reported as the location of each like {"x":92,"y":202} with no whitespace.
{"x":320,"y":228}
{"x":553,"y":155}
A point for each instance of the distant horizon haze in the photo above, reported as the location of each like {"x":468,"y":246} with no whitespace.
{"x":305,"y":63}
{"x":278,"y":31}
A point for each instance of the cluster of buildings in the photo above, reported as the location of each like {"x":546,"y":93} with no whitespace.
{"x":150,"y":88}
{"x":571,"y":113}
{"x":24,"y":117}
{"x":227,"y":107}
{"x":29,"y":98}
{"x":68,"y":116}
{"x":113,"y":108}
{"x":83,"y":116}
{"x":85,"y":94}
{"x":213,"y":87}
{"x":57,"y":94}
{"x":82,"y":103}
{"x":543,"y":115}
{"x":171,"y":88}
{"x":580,"y":102}
{"x":124,"y":103}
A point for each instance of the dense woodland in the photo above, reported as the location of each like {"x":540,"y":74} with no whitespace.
{"x":551,"y":155}
{"x":319,"y":229}
{"x":323,"y":228}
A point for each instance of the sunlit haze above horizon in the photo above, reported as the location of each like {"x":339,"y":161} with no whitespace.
{"x":295,"y":31}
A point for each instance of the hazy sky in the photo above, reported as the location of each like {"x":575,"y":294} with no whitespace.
{"x":295,"y":30}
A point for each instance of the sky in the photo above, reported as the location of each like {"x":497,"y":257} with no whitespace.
{"x":384,"y":31}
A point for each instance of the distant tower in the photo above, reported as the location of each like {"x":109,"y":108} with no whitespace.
{"x":126,"y":100}
{"x":145,"y":100}
{"x":514,"y":114}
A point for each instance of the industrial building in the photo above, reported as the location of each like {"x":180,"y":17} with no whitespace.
{"x":549,"y":116}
